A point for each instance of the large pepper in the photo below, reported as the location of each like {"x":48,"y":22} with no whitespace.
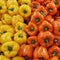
{"x":7,"y":37}
{"x":34,"y":5}
{"x":56,"y":40}
{"x":31,"y":29}
{"x":56,"y":26}
{"x":2,"y":57}
{"x":32,"y":40}
{"x":18,"y":58}
{"x":25,"y":10}
{"x":54,"y":51}
{"x":45,"y":38}
{"x":37,"y":18}
{"x":51,"y":8}
{"x":10,"y":49}
{"x":20,"y":37}
{"x":17,"y":18}
{"x":13,"y":9}
{"x":26,"y":51}
{"x":41,"y":53}
{"x":6,"y":19}
{"x":46,"y":26}
{"x":42,"y":11}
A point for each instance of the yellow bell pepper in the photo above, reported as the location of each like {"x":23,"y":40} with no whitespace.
{"x":10,"y":49}
{"x":18,"y":58}
{"x":3,"y":7}
{"x":20,"y":26}
{"x":13,"y":9}
{"x":20,"y":37}
{"x":6,"y":37}
{"x":17,"y":18}
{"x":6,"y":28}
{"x":28,"y":2}
{"x":2,"y":57}
{"x":25,"y":10}
{"x":6,"y":19}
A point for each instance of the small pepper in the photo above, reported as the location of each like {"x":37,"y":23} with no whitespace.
{"x":51,"y":8}
{"x":26,"y":51}
{"x":37,"y":18}
{"x":54,"y":51}
{"x":31,"y":29}
{"x":32,"y":40}
{"x":34,"y":5}
{"x":46,"y":26}
{"x":45,"y":39}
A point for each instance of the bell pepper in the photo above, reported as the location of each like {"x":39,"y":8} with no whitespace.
{"x":49,"y":18}
{"x":17,"y":18}
{"x":32,"y":40}
{"x":10,"y":49}
{"x":7,"y":37}
{"x":34,"y":5}
{"x":6,"y":28}
{"x":54,"y":58}
{"x":42,"y":11}
{"x":57,"y":3}
{"x":28,"y":2}
{"x":56,"y":40}
{"x":2,"y":57}
{"x":20,"y":26}
{"x":25,"y":10}
{"x":18,"y":58}
{"x":6,"y":19}
{"x":56,"y":26}
{"x":26,"y":51}
{"x":51,"y":8}
{"x":45,"y":39}
{"x":13,"y":10}
{"x":41,"y":53}
{"x":45,"y":26}
{"x":3,"y":7}
{"x":37,"y":18}
{"x":1,"y":23}
{"x":40,"y":1}
{"x":31,"y":29}
{"x":20,"y":37}
{"x":54,"y":51}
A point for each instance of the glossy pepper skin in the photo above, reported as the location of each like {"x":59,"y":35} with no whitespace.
{"x":45,"y":26}
{"x":49,"y":18}
{"x":51,"y":8}
{"x":26,"y":51}
{"x":54,"y":58}
{"x":10,"y":49}
{"x":20,"y":37}
{"x":31,"y":29}
{"x":56,"y":40}
{"x":40,"y":53}
{"x":42,"y":11}
{"x":33,"y":41}
{"x":37,"y":18}
{"x":45,"y":39}
{"x":34,"y":5}
{"x":56,"y":26}
{"x":54,"y":51}
{"x":25,"y":10}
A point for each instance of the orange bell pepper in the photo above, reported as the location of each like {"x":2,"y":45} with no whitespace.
{"x":45,"y":39}
{"x":45,"y":26}
{"x":31,"y":29}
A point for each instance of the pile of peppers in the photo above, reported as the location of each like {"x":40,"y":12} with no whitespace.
{"x":29,"y":29}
